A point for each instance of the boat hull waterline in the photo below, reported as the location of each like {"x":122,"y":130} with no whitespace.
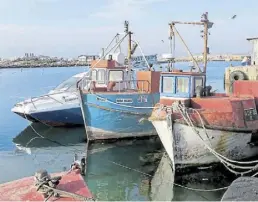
{"x":185,"y":147}
{"x":107,"y":119}
{"x":54,"y":114}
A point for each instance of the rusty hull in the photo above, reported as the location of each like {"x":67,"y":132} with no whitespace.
{"x":222,"y":113}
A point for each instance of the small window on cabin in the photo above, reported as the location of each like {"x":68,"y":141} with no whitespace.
{"x":182,"y":85}
{"x":198,"y":82}
{"x":101,"y":76}
{"x":94,"y":75}
{"x":117,"y":75}
{"x":168,"y":85}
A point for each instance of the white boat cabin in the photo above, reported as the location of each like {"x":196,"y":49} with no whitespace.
{"x":178,"y":84}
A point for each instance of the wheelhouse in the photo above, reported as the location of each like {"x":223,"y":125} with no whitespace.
{"x":108,"y":75}
{"x":181,"y":84}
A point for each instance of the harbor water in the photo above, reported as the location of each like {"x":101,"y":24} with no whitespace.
{"x":121,"y":170}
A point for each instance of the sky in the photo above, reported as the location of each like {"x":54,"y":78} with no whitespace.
{"x":70,"y":28}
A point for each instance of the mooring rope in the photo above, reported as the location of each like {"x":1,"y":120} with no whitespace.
{"x":118,"y":164}
{"x":224,"y":160}
{"x":179,"y":185}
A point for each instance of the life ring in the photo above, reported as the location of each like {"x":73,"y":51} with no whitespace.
{"x":236,"y":75}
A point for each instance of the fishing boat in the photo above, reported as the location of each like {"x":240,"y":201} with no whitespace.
{"x":197,"y":126}
{"x":116,"y":105}
{"x":60,"y":107}
{"x":64,"y":186}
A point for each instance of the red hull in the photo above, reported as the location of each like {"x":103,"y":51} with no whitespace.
{"x":24,"y":189}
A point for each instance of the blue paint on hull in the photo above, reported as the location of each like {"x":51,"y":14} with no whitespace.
{"x":67,"y":117}
{"x":113,"y":118}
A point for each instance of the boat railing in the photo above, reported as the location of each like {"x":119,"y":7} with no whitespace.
{"x":34,"y":99}
{"x":49,"y":95}
{"x":136,"y":85}
{"x":140,"y":86}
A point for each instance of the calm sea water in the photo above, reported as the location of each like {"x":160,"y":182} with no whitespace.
{"x":107,"y":179}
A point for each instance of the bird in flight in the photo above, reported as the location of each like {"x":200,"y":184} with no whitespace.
{"x":233,"y":17}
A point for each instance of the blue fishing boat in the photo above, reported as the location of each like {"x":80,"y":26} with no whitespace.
{"x":113,"y":103}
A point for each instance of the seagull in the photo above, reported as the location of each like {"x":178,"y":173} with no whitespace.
{"x":233,"y":17}
{"x":162,"y":41}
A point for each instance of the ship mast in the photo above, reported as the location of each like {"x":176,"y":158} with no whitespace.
{"x":129,"y":39}
{"x":206,"y":25}
{"x":129,"y":56}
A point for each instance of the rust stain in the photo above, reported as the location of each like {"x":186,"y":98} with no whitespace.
{"x":221,"y":146}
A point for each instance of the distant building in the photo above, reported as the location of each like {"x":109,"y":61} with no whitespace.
{"x":43,"y":57}
{"x":91,"y":57}
{"x":87,"y":58}
{"x":254,"y":54}
{"x":82,"y":58}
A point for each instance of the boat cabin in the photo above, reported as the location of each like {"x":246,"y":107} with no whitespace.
{"x":180,"y":84}
{"x":109,"y":74}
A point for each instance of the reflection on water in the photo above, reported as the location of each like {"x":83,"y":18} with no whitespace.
{"x":163,"y":181}
{"x":202,"y":179}
{"x":122,"y":170}
{"x":107,"y":180}
{"x":32,"y":135}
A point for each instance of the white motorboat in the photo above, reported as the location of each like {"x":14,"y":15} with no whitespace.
{"x":60,"y":107}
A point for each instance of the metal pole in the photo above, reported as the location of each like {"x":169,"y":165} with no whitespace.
{"x":170,"y":39}
{"x":205,"y":38}
{"x":129,"y":45}
{"x":187,"y":49}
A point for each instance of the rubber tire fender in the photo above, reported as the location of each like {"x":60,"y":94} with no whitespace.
{"x":236,"y":75}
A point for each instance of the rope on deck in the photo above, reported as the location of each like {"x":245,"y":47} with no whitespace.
{"x":47,"y":186}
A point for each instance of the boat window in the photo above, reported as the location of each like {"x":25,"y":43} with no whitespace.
{"x":116,"y":75}
{"x":182,"y":85}
{"x":168,"y":85}
{"x":101,"y":76}
{"x":68,"y":84}
{"x":94,"y":75}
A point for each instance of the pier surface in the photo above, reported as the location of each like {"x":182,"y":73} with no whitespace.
{"x":242,"y":189}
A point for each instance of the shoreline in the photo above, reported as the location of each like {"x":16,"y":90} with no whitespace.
{"x":209,"y":60}
{"x":42,"y":66}
{"x":27,"y":66}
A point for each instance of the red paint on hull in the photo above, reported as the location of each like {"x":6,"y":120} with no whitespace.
{"x":248,"y":88}
{"x":24,"y":189}
{"x":225,"y":113}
